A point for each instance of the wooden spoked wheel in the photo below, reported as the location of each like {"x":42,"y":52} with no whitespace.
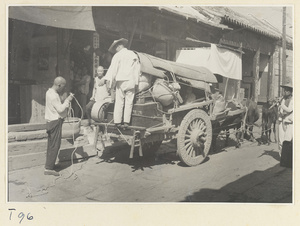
{"x":194,"y":137}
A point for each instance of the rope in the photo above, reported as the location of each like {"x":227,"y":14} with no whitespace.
{"x":224,"y":132}
{"x":123,"y":136}
{"x":45,"y":190}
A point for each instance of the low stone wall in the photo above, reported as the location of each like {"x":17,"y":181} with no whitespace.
{"x":27,"y":147}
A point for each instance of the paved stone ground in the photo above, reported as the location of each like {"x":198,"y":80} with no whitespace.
{"x":249,"y":174}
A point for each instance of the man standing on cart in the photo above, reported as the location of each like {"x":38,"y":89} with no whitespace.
{"x":123,"y":74}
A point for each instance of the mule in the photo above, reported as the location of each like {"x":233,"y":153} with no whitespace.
{"x":252,"y":117}
{"x":269,"y":117}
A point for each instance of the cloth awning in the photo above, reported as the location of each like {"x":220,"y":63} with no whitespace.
{"x":69,"y":17}
{"x":218,"y":60}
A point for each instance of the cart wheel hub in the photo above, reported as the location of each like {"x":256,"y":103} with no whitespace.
{"x":197,"y":138}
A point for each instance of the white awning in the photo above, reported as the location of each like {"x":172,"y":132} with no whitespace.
{"x":218,"y":60}
{"x":69,"y":17}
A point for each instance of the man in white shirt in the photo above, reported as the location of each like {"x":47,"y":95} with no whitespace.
{"x":285,"y":127}
{"x":124,"y":72}
{"x":55,"y":112}
{"x":99,"y":93}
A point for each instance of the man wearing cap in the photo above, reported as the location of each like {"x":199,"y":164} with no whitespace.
{"x":285,"y":128}
{"x":124,"y":72}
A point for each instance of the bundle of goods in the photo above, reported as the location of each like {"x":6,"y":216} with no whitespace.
{"x":145,"y":82}
{"x":219,"y":104}
{"x":165,"y":92}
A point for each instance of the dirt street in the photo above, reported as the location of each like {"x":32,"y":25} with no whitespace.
{"x":248,"y":174}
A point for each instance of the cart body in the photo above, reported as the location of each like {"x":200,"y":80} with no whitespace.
{"x":155,"y":118}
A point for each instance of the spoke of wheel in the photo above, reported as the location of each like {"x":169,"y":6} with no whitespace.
{"x":188,"y":131}
{"x":196,"y":151}
{"x":187,"y":140}
{"x":193,"y":154}
{"x":202,"y":139}
{"x":202,"y":152}
{"x":187,"y":146}
{"x":191,"y":126}
{"x":189,"y":150}
{"x":202,"y":125}
{"x":196,"y":123}
{"x":187,"y":135}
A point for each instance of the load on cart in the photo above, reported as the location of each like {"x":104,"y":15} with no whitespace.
{"x":175,"y":100}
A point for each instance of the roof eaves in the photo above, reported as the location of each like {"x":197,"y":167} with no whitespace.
{"x":228,"y":19}
{"x":192,"y":17}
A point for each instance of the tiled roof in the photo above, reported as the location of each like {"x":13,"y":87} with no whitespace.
{"x":190,"y":13}
{"x":224,"y":18}
{"x":229,"y":17}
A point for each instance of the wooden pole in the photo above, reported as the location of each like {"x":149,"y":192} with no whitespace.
{"x":132,"y":34}
{"x":270,"y":89}
{"x":63,"y":55}
{"x":279,"y":70}
{"x":284,"y":45}
{"x":256,"y":60}
{"x":225,"y":90}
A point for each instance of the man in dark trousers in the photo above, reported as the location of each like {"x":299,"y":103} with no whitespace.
{"x":285,"y":125}
{"x":55,"y":112}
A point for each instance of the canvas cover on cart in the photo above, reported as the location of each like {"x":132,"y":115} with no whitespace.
{"x":157,"y":66}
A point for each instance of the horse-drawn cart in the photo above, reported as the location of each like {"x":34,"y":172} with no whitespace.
{"x":177,"y":104}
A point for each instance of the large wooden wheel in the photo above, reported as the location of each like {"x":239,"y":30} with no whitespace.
{"x":194,"y":137}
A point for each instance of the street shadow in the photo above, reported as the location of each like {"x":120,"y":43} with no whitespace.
{"x":220,"y":145}
{"x":272,"y":153}
{"x":148,"y":160}
{"x":263,"y":141}
{"x":184,"y":165}
{"x":273,"y":185}
{"x":65,"y":157}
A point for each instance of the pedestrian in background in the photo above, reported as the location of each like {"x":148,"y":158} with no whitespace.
{"x":100,"y":93}
{"x":83,"y":89}
{"x":285,"y":127}
{"x":55,"y":112}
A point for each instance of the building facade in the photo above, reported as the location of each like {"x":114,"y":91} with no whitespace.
{"x":40,"y":50}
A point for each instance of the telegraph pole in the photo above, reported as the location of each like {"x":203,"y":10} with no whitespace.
{"x":284,"y":45}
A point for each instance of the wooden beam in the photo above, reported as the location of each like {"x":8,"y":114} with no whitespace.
{"x":64,"y":37}
{"x":270,"y":89}
{"x":238,"y":90}
{"x":284,"y":45}
{"x":256,"y":61}
{"x":132,"y":33}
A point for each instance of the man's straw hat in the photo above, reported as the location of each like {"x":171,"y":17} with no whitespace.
{"x":115,"y":44}
{"x":288,"y":83}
